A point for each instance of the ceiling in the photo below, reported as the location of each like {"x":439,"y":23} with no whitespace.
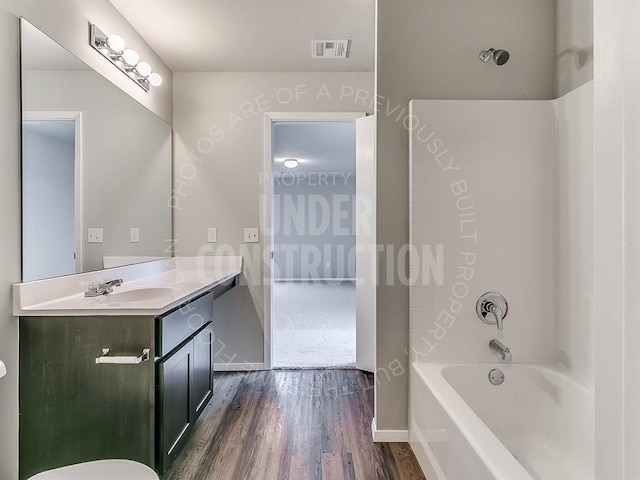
{"x":328,"y":147}
{"x":39,"y":52}
{"x":253,"y":35}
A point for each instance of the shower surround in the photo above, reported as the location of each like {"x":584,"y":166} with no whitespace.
{"x":502,"y":201}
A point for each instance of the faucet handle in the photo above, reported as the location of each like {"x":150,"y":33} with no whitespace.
{"x":492,"y":309}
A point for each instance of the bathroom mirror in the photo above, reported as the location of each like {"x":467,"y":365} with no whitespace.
{"x":96,"y":168}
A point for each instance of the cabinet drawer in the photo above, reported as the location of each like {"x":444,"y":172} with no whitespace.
{"x":175,"y":327}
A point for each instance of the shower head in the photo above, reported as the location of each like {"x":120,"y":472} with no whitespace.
{"x":499,"y":56}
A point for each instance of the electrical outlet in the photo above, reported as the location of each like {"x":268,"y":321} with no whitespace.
{"x":134,"y":235}
{"x":251,"y":235}
{"x":95,"y":235}
{"x":212,"y":235}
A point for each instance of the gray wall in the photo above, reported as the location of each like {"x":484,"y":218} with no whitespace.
{"x":48,"y":206}
{"x":219,"y":160}
{"x":65,"y":20}
{"x":313,"y":207}
{"x":304,"y":242}
{"x":435,"y":45}
{"x":126,"y":162}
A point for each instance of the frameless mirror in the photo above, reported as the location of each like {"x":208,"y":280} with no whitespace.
{"x":96,"y":168}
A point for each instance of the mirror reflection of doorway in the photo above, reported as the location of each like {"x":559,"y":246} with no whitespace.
{"x":49,"y":198}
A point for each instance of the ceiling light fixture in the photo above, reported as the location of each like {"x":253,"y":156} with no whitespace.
{"x":112,"y":47}
{"x":291,"y":163}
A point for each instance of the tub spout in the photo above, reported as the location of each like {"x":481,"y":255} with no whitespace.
{"x":501,"y":349}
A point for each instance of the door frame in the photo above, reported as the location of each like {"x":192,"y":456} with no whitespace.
{"x":76,"y":118}
{"x":266,"y":210}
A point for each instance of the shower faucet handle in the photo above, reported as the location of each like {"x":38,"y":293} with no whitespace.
{"x":492,"y":309}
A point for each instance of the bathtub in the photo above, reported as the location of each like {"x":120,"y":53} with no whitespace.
{"x":537,"y":425}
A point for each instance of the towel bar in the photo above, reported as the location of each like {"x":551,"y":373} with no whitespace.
{"x":106,"y":359}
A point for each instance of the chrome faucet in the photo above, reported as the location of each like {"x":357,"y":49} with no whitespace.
{"x":492,"y":308}
{"x":501,"y":349}
{"x":102,"y":288}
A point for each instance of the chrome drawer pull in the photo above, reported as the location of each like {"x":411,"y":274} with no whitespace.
{"x":105,"y":358}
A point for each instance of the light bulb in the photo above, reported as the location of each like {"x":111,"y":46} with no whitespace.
{"x":130,"y":57}
{"x":155,"y":79}
{"x":116,"y":43}
{"x":291,"y":163}
{"x":143,"y":68}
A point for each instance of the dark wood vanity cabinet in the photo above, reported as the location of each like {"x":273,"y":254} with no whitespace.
{"x":185,"y":386}
{"x":74,"y":410}
{"x":184,"y":373}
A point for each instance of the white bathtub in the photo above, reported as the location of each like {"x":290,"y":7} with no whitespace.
{"x":537,"y":425}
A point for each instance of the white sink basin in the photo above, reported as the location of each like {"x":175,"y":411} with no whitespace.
{"x":141,"y":294}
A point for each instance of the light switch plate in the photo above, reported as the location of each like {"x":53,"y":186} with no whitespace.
{"x":251,"y":235}
{"x":134,"y":235}
{"x":95,"y":235}
{"x":212,"y":235}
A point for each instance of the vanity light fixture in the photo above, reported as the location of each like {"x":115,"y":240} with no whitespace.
{"x":130,"y":57}
{"x":143,"y":69}
{"x":115,"y":43}
{"x":155,"y":79}
{"x":290,"y":162}
{"x":113,"y":48}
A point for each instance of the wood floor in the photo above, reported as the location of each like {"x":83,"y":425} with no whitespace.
{"x":296,"y":425}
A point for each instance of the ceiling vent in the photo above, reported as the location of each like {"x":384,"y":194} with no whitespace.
{"x":330,"y":48}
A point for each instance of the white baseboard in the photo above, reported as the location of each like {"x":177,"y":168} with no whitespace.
{"x":388,"y":436}
{"x":238,"y":367}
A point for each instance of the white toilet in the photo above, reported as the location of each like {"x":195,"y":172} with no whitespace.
{"x":100,"y":470}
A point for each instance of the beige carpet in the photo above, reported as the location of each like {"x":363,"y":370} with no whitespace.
{"x":314,"y":325}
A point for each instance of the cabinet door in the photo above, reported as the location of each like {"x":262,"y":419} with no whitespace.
{"x":202,"y":378}
{"x":175,"y":418}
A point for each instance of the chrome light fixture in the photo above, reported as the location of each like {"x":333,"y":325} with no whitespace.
{"x":113,"y":48}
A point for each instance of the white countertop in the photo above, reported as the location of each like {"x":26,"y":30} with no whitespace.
{"x":168,"y":284}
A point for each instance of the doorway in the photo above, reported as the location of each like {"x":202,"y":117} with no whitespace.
{"x":50,"y":195}
{"x":314,"y":300}
{"x":311,"y":214}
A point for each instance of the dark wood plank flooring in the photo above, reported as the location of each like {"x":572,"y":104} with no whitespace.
{"x":291,"y":425}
